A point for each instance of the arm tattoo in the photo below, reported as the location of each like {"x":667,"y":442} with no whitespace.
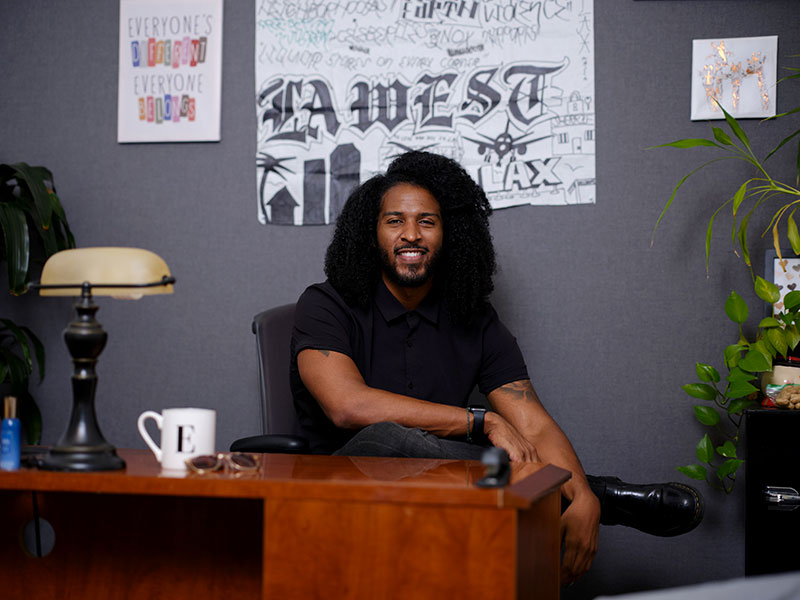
{"x":520,"y":390}
{"x":325,"y":352}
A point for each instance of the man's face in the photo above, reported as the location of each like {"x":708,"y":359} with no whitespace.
{"x":409,"y":234}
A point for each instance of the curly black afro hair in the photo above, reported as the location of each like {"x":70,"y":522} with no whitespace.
{"x":467,"y":263}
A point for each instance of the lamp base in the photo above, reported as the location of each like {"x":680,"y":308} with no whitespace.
{"x":81,"y":459}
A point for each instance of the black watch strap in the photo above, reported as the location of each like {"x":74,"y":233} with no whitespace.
{"x":478,"y":417}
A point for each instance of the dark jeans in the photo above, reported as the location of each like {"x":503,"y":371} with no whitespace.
{"x":390,"y":439}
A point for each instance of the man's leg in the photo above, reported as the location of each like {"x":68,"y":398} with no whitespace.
{"x":391,"y":439}
{"x":662,"y":509}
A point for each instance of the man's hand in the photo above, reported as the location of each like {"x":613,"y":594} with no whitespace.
{"x":502,"y":434}
{"x":579,"y":535}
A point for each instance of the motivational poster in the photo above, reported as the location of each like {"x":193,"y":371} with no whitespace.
{"x":170,"y":70}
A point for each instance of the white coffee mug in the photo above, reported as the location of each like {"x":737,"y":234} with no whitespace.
{"x":185,"y":433}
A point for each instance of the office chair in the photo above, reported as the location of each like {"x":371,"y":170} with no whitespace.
{"x":273,"y":331}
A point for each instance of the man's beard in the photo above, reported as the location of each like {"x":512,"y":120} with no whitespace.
{"x":415,"y":276}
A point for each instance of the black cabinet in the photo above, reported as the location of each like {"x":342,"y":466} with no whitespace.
{"x":772,"y":521}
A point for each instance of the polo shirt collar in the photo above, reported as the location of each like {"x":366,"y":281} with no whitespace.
{"x":391,"y":308}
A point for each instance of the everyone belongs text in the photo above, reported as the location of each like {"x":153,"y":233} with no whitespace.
{"x":155,"y":109}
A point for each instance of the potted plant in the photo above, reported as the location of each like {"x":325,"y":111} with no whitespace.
{"x":33,"y":226}
{"x":776,"y":336}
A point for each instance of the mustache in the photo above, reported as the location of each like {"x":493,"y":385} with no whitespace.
{"x":411,"y":247}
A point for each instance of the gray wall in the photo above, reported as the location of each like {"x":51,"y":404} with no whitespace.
{"x":610,"y":327}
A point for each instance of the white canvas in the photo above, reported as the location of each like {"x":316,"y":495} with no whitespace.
{"x":739,"y":73}
{"x":170,"y":70}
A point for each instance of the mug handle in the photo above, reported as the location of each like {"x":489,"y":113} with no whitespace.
{"x":146,"y":436}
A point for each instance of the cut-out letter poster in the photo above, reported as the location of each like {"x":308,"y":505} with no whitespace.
{"x":170,"y":70}
{"x":505,"y":87}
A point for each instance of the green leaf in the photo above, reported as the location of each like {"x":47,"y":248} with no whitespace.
{"x":706,"y":372}
{"x":738,"y":405}
{"x":735,"y":128}
{"x":38,"y":349}
{"x":22,"y":341}
{"x":787,"y":139}
{"x":793,"y":234}
{"x":736,"y":374}
{"x":701,"y":391}
{"x":706,"y":415}
{"x":705,"y":450}
{"x":728,"y":449}
{"x":743,"y":238}
{"x":777,"y":339}
{"x":755,"y":362}
{"x":739,"y":196}
{"x":729,"y":467}
{"x":792,"y":300}
{"x":33,"y":179}
{"x":738,"y":389}
{"x":736,"y":308}
{"x":767,"y":291}
{"x":769,"y":322}
{"x":17,"y":245}
{"x":687,"y":143}
{"x":733,"y":355}
{"x":694,"y":471}
{"x":721,"y":136}
{"x":792,"y":336}
{"x":762,"y":347}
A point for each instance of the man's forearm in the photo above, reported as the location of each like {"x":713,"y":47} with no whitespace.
{"x":335,"y":382}
{"x":518,"y":404}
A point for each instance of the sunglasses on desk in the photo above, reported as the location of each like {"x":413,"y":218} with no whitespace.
{"x":235,"y":462}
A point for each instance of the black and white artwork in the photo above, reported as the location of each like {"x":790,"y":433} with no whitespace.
{"x":505,"y":87}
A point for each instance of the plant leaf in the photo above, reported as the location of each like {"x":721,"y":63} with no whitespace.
{"x":706,"y":415}
{"x":688,"y":143}
{"x":735,"y":128}
{"x":736,"y":374}
{"x":793,"y":234}
{"x":701,"y":391}
{"x":32,"y":179}
{"x":767,"y":291}
{"x":776,"y":338}
{"x":791,"y":300}
{"x":706,"y":372}
{"x":729,"y":467}
{"x":738,"y":389}
{"x":769,"y":322}
{"x":738,"y":405}
{"x":17,"y":245}
{"x":728,"y":449}
{"x":733,"y":355}
{"x":739,"y":196}
{"x":736,"y":308}
{"x":721,"y":136}
{"x":694,"y":471}
{"x":705,"y":450}
{"x":792,"y":336}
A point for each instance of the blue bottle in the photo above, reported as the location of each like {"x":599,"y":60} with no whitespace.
{"x":10,"y":436}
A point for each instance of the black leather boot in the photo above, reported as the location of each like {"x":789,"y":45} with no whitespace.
{"x":663,"y":509}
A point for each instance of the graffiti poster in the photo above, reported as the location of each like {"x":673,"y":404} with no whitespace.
{"x":170,"y":70}
{"x":505,"y":87}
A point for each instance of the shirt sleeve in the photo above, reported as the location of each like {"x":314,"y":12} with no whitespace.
{"x":322,"y":321}
{"x":502,"y":361}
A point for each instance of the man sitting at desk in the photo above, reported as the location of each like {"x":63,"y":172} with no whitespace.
{"x":387,"y":351}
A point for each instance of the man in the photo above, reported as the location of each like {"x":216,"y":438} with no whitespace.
{"x":386,"y":352}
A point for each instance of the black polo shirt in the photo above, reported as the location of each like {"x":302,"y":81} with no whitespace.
{"x":417,"y":353}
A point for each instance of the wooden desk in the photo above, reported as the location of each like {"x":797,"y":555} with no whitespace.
{"x":303,"y":527}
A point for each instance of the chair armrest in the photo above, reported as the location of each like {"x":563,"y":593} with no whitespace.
{"x":282,"y":444}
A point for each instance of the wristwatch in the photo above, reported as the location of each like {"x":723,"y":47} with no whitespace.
{"x":477,"y":435}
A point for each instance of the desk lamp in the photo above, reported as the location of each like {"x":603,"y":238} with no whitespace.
{"x":127,"y":273}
